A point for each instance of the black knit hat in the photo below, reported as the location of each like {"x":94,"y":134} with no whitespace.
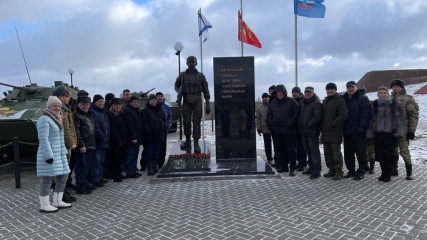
{"x":296,"y":89}
{"x":109,"y":97}
{"x":331,"y":86}
{"x":152,"y":96}
{"x":397,"y":82}
{"x":265,"y":95}
{"x":97,"y":97}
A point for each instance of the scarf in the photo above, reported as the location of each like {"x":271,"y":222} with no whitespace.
{"x":56,"y":116}
{"x":114,"y":111}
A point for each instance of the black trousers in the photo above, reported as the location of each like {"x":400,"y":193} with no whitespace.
{"x":355,"y":145}
{"x":286,"y":150}
{"x":162,"y":154}
{"x":267,"y":146}
{"x":117,"y":158}
{"x":384,"y":144}
{"x":301,"y":153}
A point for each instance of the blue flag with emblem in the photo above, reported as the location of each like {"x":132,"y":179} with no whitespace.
{"x":203,"y":27}
{"x":309,"y":8}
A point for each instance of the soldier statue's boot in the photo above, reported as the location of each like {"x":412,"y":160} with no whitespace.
{"x":187,"y":142}
{"x":371,"y":167}
{"x":196,"y":146}
{"x":408,"y":171}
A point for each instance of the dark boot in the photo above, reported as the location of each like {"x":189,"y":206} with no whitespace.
{"x":187,"y":142}
{"x":408,"y":171}
{"x":155,"y":168}
{"x":371,"y":167}
{"x":381,"y":178}
{"x":196,"y":146}
{"x":150,"y":171}
{"x":66,"y":197}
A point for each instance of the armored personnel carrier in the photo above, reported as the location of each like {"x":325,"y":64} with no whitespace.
{"x":19,"y":111}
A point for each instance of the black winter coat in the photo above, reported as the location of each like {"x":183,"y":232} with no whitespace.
{"x":118,"y":130}
{"x":310,"y":116}
{"x":334,"y":115}
{"x":85,"y":129}
{"x":359,"y":113}
{"x":102,"y":126}
{"x":134,"y":124}
{"x":154,"y":122}
{"x":282,"y":115}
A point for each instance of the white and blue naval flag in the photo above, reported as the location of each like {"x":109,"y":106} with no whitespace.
{"x":203,"y":27}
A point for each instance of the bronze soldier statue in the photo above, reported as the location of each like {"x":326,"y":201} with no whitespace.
{"x":189,"y":85}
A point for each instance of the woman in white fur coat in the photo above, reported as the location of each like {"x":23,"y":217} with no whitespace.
{"x":52,"y":156}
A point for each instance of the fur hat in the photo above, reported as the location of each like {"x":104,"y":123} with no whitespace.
{"x":97,"y":97}
{"x":82,"y":93}
{"x":59,"y":91}
{"x":116,"y":101}
{"x":397,"y":82}
{"x":152,"y":96}
{"x":133,"y":98}
{"x":331,"y":86}
{"x":83,"y":99}
{"x":52,"y":100}
{"x":265,"y":95}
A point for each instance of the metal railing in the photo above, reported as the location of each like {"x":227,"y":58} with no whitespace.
{"x":15,"y":142}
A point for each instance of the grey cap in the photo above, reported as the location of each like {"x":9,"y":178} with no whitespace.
{"x":310,"y":89}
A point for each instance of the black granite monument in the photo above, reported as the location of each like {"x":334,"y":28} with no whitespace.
{"x":234,"y":83}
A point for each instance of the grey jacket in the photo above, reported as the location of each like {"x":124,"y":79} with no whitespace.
{"x":386,"y":117}
{"x":260,"y":117}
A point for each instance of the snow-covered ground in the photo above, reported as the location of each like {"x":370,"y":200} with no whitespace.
{"x":417,"y":147}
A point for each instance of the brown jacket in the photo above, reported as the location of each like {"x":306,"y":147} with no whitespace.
{"x":70,"y":136}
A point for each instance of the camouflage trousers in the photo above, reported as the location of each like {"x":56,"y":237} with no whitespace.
{"x":192,"y":112}
{"x":333,"y":157}
{"x":402,"y":146}
{"x":370,"y":151}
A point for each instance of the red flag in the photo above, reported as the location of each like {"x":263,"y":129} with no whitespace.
{"x":248,"y":36}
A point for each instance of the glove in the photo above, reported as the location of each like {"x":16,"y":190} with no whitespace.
{"x":410,"y":136}
{"x":259,"y":132}
{"x":50,"y":160}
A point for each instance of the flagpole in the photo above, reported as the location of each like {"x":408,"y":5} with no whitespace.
{"x":241,"y":25}
{"x":296,"y":50}
{"x":201,"y":70}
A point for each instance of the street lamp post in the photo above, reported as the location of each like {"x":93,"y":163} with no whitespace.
{"x":178,"y":48}
{"x":71,"y":72}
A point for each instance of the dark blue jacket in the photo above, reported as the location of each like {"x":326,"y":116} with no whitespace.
{"x":102,"y":126}
{"x":282,"y":115}
{"x":133,"y":123}
{"x":359,"y":113}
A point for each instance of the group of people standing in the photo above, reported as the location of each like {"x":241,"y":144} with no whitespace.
{"x":97,"y":139}
{"x":296,"y":125}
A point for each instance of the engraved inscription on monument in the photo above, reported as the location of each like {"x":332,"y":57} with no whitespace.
{"x":235,"y":109}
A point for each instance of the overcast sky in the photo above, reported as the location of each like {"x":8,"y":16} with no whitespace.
{"x":117,"y":44}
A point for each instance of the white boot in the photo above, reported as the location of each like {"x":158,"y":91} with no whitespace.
{"x":45,"y":205}
{"x":57,"y":200}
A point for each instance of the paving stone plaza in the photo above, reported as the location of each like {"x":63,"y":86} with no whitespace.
{"x":269,"y":208}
